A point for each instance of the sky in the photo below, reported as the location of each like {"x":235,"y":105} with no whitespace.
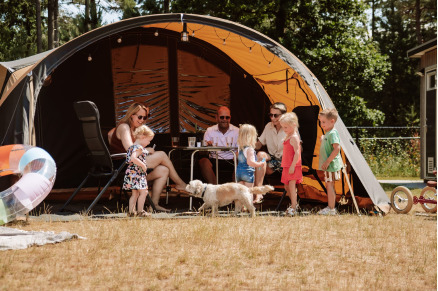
{"x":114,"y":17}
{"x":107,"y":17}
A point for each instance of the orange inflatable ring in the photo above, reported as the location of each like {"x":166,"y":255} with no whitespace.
{"x":37,"y":171}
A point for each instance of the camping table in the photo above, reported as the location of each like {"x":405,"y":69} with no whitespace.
{"x":194,"y":150}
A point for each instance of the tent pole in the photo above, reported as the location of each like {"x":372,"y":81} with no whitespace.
{"x":351,"y":190}
{"x":31,"y":112}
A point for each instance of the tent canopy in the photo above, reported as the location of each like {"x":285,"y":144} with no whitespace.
{"x":144,"y":60}
{"x":12,"y":71}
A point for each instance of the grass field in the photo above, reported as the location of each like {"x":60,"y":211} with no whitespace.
{"x":391,"y":158}
{"x":347,"y":252}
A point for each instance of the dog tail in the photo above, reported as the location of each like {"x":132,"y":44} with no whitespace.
{"x":261,"y":189}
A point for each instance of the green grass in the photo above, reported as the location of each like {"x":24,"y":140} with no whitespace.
{"x":393,"y":158}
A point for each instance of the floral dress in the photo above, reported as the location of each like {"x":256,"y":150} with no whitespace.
{"x":135,"y":177}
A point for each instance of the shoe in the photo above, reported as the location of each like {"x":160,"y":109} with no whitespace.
{"x":323,"y":211}
{"x":144,"y":214}
{"x":333,"y":211}
{"x":328,"y":211}
{"x":132,"y":214}
{"x":291,"y":212}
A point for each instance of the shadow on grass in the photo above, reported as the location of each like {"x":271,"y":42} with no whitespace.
{"x":388,"y":187}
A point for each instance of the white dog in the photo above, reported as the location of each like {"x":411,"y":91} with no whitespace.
{"x":215,"y":196}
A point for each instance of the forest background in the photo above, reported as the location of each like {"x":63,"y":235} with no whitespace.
{"x":357,"y":49}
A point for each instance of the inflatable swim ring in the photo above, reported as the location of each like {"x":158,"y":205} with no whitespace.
{"x":37,"y":171}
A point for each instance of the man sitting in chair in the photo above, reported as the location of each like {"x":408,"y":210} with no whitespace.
{"x":216,"y":136}
{"x":272,"y":136}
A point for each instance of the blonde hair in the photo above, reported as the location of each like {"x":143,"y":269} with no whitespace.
{"x":143,"y":130}
{"x":247,"y":136}
{"x":133,"y":109}
{"x":290,"y":118}
{"x":329,"y":113}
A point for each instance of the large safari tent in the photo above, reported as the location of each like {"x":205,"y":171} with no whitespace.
{"x":146,"y":59}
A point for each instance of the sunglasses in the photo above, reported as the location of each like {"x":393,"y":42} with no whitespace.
{"x":224,"y":117}
{"x":141,"y":117}
{"x":274,"y":115}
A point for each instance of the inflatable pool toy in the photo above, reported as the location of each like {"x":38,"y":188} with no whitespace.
{"x":37,"y":172}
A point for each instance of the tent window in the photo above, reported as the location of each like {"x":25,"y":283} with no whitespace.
{"x":202,"y":87}
{"x":138,"y":77}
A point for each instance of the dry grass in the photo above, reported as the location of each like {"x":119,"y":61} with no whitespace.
{"x":396,"y":252}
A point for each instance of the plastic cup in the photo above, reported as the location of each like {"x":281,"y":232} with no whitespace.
{"x":192,"y":141}
{"x":175,"y":141}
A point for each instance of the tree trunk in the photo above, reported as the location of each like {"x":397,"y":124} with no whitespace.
{"x":38,"y":26}
{"x":50,"y":24}
{"x":55,"y":22}
{"x":280,"y":19}
{"x":166,"y":6}
{"x":87,"y":16}
{"x":93,"y":14}
{"x":373,"y":18}
{"x":418,"y":22}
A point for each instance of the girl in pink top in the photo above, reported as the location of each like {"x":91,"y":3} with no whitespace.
{"x":291,"y":162}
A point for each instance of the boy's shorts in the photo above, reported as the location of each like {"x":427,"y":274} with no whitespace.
{"x":275,"y":164}
{"x":332,"y":176}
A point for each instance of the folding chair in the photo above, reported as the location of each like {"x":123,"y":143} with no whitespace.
{"x":100,"y":158}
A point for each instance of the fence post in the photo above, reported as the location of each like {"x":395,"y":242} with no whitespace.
{"x":356,"y":132}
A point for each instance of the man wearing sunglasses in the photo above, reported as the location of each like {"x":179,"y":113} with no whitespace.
{"x":217,"y":135}
{"x":272,"y":137}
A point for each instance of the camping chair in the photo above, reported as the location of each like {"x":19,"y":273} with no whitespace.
{"x":308,"y":120}
{"x":101,"y":160}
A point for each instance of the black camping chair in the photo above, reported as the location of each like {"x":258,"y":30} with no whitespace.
{"x":101,"y":160}
{"x":308,"y":120}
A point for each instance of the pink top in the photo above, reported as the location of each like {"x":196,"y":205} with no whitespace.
{"x":288,"y":155}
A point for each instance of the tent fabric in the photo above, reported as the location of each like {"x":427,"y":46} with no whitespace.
{"x":139,"y":78}
{"x":11,"y":72}
{"x":201,"y":87}
{"x":260,"y":62}
{"x":143,"y":59}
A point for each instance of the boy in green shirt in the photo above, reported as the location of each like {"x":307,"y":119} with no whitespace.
{"x":330,"y":160}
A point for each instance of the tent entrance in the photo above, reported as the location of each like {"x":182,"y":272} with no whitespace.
{"x":182,"y":83}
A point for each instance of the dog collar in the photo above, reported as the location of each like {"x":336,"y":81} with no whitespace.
{"x":203,"y":192}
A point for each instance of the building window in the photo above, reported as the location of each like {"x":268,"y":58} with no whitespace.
{"x":431,"y":80}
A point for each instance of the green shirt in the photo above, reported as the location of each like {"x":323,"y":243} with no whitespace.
{"x":326,"y":149}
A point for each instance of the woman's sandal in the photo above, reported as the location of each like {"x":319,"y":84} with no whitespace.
{"x":144,"y":214}
{"x":132,"y":214}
